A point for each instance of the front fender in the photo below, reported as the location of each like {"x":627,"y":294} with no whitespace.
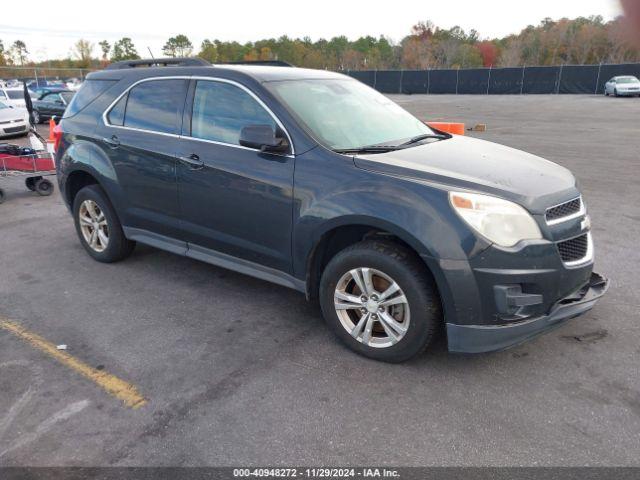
{"x":418,"y":214}
{"x":331,"y":192}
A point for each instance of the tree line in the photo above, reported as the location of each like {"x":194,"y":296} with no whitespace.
{"x":583,"y":40}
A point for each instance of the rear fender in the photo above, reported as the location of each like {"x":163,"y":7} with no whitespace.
{"x":86,"y":156}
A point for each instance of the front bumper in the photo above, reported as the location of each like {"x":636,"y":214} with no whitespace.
{"x":13,"y":128}
{"x":487,"y":338}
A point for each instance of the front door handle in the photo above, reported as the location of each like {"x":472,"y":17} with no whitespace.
{"x":193,"y":161}
{"x":113,"y":142}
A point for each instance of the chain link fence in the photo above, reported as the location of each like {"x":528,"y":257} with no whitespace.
{"x":585,"y":79}
{"x":43,"y":74}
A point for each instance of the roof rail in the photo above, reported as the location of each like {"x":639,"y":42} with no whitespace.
{"x":271,"y":63}
{"x":159,"y":62}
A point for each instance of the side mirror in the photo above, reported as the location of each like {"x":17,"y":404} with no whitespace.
{"x":262,"y":137}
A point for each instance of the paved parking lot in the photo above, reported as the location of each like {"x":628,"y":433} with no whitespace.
{"x":236,"y":371}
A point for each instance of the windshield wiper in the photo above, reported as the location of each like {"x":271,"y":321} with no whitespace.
{"x":390,"y":148}
{"x":425,"y":136}
{"x":367,"y":149}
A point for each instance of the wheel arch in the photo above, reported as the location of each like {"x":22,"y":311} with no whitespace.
{"x":343,"y":232}
{"x":84,"y":163}
{"x":76,"y":181}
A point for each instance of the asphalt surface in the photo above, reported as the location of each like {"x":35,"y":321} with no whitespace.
{"x":237,"y":371}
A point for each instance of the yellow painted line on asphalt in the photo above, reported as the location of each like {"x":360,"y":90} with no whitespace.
{"x":113,"y":385}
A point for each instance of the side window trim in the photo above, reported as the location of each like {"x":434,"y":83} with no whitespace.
{"x":186,"y":127}
{"x":125,"y":93}
{"x":191,"y":98}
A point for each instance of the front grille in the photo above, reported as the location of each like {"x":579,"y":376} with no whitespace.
{"x":13,"y":130}
{"x":564,"y":210}
{"x":574,"y":249}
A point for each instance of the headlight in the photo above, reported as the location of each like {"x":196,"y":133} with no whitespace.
{"x":500,"y":221}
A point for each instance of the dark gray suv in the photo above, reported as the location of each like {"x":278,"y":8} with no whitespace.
{"x":311,"y":180}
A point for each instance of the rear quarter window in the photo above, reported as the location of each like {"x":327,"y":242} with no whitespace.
{"x":90,"y":90}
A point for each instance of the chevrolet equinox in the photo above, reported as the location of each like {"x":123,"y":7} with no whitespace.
{"x":312,"y":180}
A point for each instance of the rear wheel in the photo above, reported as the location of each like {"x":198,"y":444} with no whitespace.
{"x":98,"y":226}
{"x":380,"y":300}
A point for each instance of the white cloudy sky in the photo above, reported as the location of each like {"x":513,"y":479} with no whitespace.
{"x":50,"y":32}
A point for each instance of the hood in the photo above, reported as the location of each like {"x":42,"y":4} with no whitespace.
{"x":16,"y":103}
{"x":15,"y":113}
{"x":481,"y":166}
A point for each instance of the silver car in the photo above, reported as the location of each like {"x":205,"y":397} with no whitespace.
{"x":13,"y":120}
{"x":627,"y":85}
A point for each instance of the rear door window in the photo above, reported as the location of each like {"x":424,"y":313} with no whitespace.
{"x":156,"y":105}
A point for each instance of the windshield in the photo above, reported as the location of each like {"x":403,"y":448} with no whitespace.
{"x":15,"y":94}
{"x":627,"y":80}
{"x":346,"y":114}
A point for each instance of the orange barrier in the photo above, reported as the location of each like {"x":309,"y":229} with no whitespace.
{"x":52,"y":125}
{"x":455,"y":128}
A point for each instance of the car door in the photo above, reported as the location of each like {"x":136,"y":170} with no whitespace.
{"x":46,"y":104}
{"x":234,"y":200}
{"x":51,"y":105}
{"x":140,"y":134}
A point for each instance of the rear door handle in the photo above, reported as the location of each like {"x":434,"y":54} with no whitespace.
{"x":113,"y":142}
{"x":193,"y":161}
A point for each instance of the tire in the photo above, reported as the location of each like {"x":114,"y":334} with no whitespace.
{"x":117,"y":247}
{"x":43,"y":187}
{"x":2,"y":197}
{"x":36,"y":117}
{"x":30,"y":183}
{"x":420,"y":316}
{"x":615,"y":93}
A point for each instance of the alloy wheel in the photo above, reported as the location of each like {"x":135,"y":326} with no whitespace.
{"x":372,"y":307}
{"x":93,"y":225}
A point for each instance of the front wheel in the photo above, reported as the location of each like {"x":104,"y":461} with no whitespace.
{"x":380,"y":300}
{"x":36,"y":117}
